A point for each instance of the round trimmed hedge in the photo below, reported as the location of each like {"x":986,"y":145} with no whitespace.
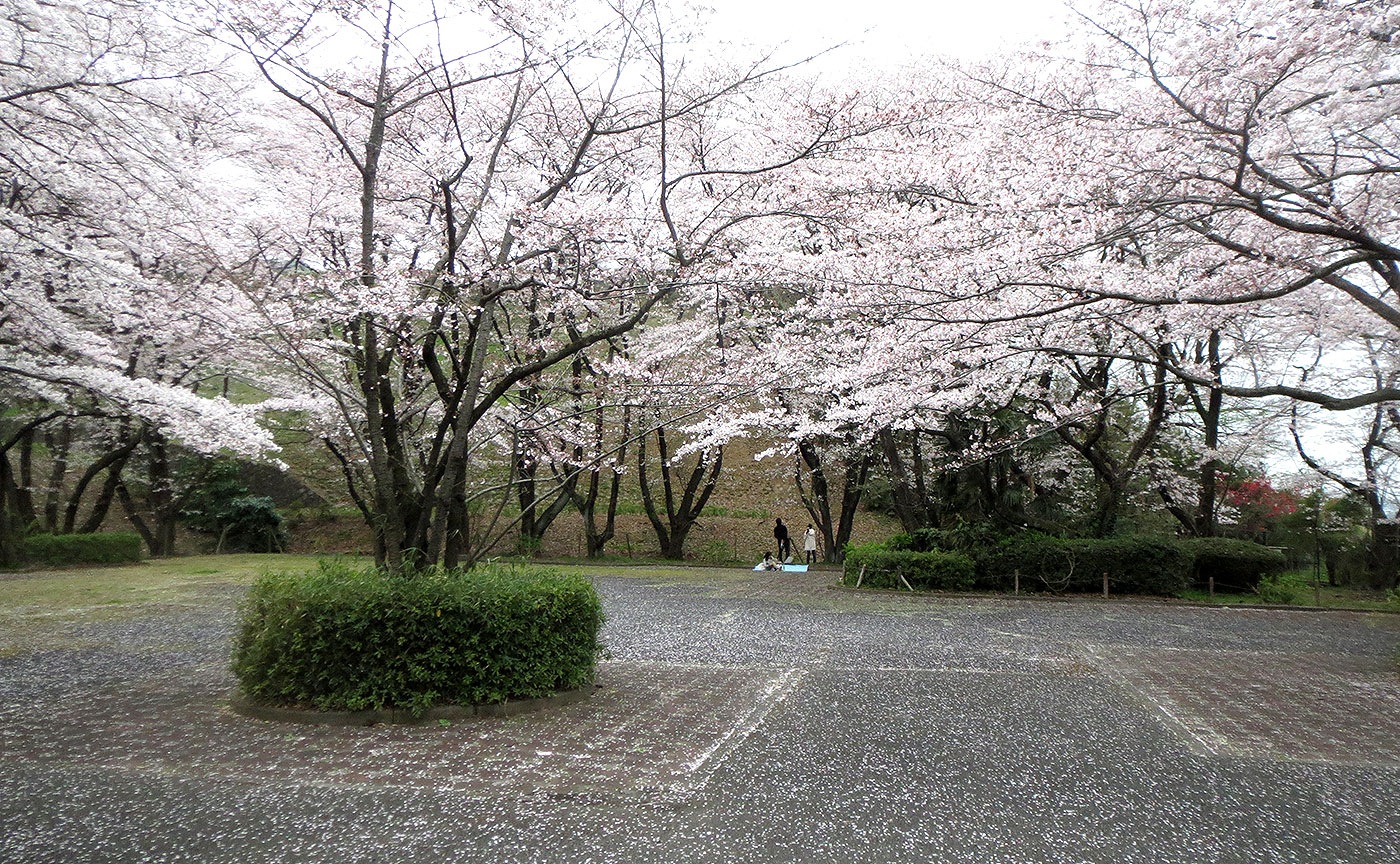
{"x":348,"y":638}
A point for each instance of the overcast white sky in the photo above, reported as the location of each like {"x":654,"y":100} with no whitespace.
{"x":888,"y":31}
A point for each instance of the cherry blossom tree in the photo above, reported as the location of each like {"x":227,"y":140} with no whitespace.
{"x":105,"y":285}
{"x":1178,"y":169}
{"x":487,"y":213}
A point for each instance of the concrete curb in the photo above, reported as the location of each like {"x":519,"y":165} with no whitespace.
{"x":262,"y":711}
{"x":1125,"y":600}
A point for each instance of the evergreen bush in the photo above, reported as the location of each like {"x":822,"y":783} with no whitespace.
{"x":1273,"y":590}
{"x":1237,"y":565}
{"x":240,"y":522}
{"x":1135,"y":565}
{"x":116,"y":547}
{"x":966,"y":538}
{"x":355,"y":638}
{"x":930,"y":571}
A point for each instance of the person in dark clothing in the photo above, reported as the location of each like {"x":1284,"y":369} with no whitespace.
{"x":780,"y":533}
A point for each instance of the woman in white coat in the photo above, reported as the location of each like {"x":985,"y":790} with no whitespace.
{"x":809,"y":543}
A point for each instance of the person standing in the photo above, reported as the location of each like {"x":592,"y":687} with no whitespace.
{"x":809,"y":543}
{"x":780,"y":533}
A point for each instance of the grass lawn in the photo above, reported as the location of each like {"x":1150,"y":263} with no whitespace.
{"x":1300,"y":583}
{"x":105,"y":591}
{"x":183,"y":579}
{"x":162,"y":580}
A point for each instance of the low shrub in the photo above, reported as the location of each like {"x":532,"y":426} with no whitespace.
{"x":117,"y":547}
{"x":1039,"y":560}
{"x":903,"y":542}
{"x":855,"y":551}
{"x":1237,"y":565}
{"x":347,"y":638}
{"x":931,"y":571}
{"x":223,"y":508}
{"x":1272,"y":589}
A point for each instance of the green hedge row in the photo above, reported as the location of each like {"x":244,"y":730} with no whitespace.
{"x":1237,"y":565}
{"x":926,"y":571}
{"x":1135,"y":565}
{"x":346,"y":638}
{"x":60,"y":549}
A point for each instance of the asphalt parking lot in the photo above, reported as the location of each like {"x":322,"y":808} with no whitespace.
{"x":740,"y":717}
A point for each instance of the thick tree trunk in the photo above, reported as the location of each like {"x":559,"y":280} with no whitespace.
{"x":857,"y":472}
{"x":114,"y":461}
{"x":680,"y":515}
{"x":1383,"y":556}
{"x":133,"y":515}
{"x":911,"y":511}
{"x":1206,"y":508}
{"x":9,"y":531}
{"x":1114,"y":474}
{"x":59,"y":445}
{"x":534,"y":521}
{"x":24,"y":487}
{"x":816,"y":497}
{"x":1106,"y":513}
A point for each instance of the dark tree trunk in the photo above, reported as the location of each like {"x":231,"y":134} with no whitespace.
{"x":17,"y":513}
{"x":9,"y":531}
{"x":595,"y":537}
{"x":908,"y":506}
{"x":1209,"y":411}
{"x":59,"y":445}
{"x":24,"y":489}
{"x":113,"y":462}
{"x":1114,"y":473}
{"x":154,"y":518}
{"x":681,"y":514}
{"x":1383,"y":556}
{"x":816,"y":496}
{"x":534,"y":521}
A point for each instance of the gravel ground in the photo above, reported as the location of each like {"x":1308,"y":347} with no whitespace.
{"x":739,"y":718}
